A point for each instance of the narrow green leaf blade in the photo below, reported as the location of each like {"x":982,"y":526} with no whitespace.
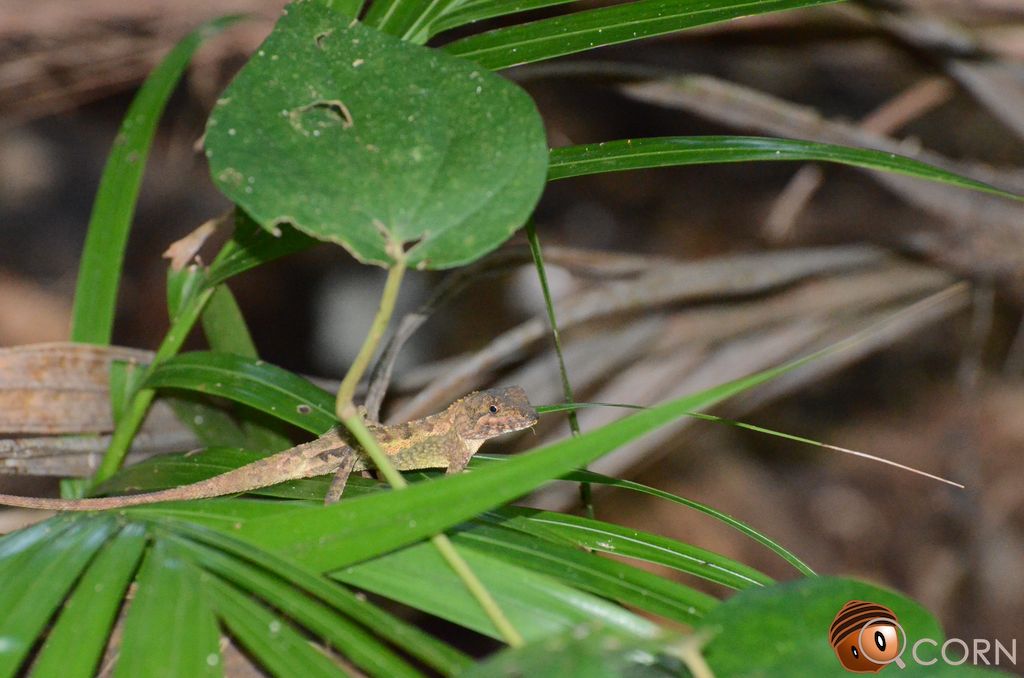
{"x":383,"y":12}
{"x":125,"y":378}
{"x":268,"y":637}
{"x":629,"y":543}
{"x":350,"y":639}
{"x":394,"y":16}
{"x":37,"y":581}
{"x":225,"y":513}
{"x":726,"y":519}
{"x":258,"y":384}
{"x":738,"y":525}
{"x":537,"y":606}
{"x":631,"y":154}
{"x":224,"y":325}
{"x":213,"y":426}
{"x":347,"y":7}
{"x":75,"y":644}
{"x":588,"y":572}
{"x":580,"y":31}
{"x":411,"y":639}
{"x":170,"y":629}
{"x":478,"y":10}
{"x":100,"y":270}
{"x":182,"y":287}
{"x":420,"y":29}
{"x":226,"y":331}
{"x":17,"y":544}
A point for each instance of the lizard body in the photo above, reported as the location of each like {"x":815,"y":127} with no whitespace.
{"x":447,"y":439}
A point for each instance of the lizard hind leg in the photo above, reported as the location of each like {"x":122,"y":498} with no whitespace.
{"x":340,"y":479}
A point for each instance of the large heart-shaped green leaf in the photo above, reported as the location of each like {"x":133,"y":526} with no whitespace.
{"x":782,"y":631}
{"x":358,"y":138}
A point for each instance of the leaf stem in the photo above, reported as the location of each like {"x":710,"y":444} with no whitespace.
{"x":354,"y":422}
{"x":380,"y":323}
{"x":357,"y":426}
{"x":128,"y":425}
{"x":586,"y":494}
{"x":479,"y":591}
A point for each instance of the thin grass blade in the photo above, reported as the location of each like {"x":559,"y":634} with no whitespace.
{"x":470,"y":12}
{"x":738,"y":525}
{"x":581,"y":31}
{"x":631,"y":154}
{"x":598,"y":535}
{"x":99,"y":274}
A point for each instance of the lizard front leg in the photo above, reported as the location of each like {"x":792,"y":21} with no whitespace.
{"x":459,"y":455}
{"x":340,"y":478}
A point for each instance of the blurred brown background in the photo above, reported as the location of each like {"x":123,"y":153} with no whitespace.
{"x":942,"y":80}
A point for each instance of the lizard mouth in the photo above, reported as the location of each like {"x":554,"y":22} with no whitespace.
{"x":495,"y":426}
{"x":528,"y":420}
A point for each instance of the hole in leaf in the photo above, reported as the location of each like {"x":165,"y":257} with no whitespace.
{"x":314,"y":118}
{"x":320,"y":38}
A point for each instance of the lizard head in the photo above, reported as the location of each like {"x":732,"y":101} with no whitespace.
{"x":482,"y":415}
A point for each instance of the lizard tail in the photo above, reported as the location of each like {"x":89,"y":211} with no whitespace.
{"x":274,"y":469}
{"x":93,"y":504}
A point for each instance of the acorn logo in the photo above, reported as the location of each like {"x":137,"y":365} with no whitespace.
{"x":866,"y":637}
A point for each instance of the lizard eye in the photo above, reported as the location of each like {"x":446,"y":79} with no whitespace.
{"x":493,"y":409}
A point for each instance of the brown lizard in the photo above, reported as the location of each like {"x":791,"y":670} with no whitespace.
{"x":447,"y":439}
